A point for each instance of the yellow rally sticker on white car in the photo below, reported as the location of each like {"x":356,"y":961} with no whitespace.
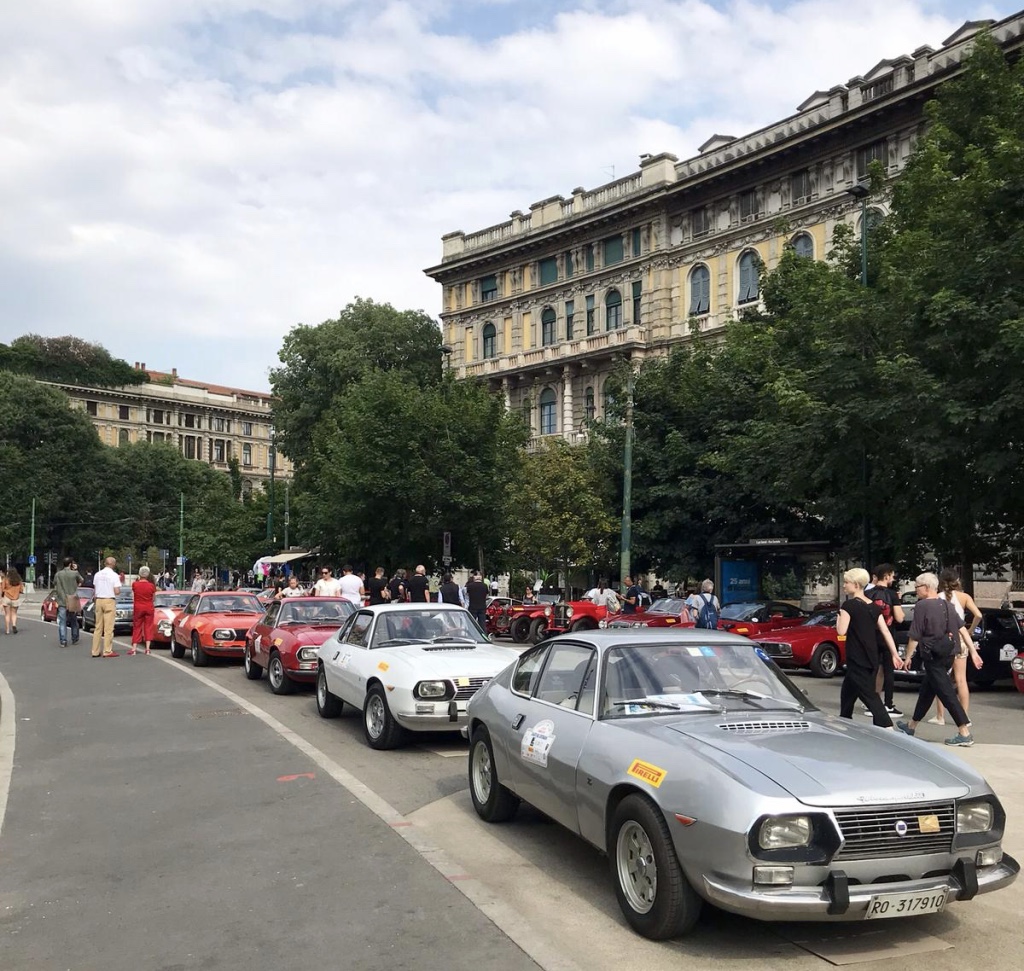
{"x":383,"y":666}
{"x":646,"y":772}
{"x":462,"y":682}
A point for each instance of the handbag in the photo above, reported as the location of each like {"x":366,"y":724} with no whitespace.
{"x":73,"y":604}
{"x":940,"y":647}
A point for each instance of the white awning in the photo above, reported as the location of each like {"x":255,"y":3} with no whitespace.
{"x":286,"y":557}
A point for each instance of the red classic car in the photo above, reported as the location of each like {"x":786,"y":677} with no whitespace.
{"x":756,"y":617}
{"x":574,"y":615}
{"x":496,"y":616}
{"x":814,"y":644}
{"x":48,"y":609}
{"x":666,"y":612}
{"x":1017,"y":667}
{"x":517,"y":619}
{"x":284,"y":640}
{"x":214,"y":624}
{"x":167,"y":604}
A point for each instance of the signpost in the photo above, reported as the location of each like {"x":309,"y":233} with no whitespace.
{"x":446,"y":548}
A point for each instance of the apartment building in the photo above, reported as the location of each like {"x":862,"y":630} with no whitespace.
{"x":207,"y":422}
{"x":543,"y":305}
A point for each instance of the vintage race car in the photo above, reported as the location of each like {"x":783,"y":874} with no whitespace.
{"x":284,"y":640}
{"x":813,"y":644}
{"x":406,"y":667}
{"x":167,"y":604}
{"x":706,"y":775}
{"x":214,"y":624}
{"x":574,"y":615}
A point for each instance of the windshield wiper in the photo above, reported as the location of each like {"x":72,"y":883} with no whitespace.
{"x":400,"y":641}
{"x":746,"y":696}
{"x":644,"y":703}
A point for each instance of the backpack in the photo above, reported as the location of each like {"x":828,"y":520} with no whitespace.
{"x":707,"y":617}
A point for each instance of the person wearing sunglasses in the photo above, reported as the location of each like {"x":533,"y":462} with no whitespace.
{"x":326,"y":586}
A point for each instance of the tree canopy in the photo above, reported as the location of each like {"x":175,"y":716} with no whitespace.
{"x":68,"y":360}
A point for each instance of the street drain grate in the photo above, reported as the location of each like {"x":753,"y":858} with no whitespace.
{"x":217,"y":713}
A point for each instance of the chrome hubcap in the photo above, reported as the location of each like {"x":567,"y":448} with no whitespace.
{"x":482,"y":777}
{"x":276,"y":672}
{"x":321,"y":690}
{"x":247,"y":661}
{"x":829,"y":662}
{"x":638,"y":873}
{"x":375,"y":716}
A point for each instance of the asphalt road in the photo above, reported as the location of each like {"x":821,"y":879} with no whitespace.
{"x":155,"y":823}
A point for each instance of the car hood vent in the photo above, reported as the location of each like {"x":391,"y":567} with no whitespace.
{"x":762,"y":726}
{"x":451,"y":647}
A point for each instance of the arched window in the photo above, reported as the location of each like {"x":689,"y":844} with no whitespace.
{"x":750,"y":278}
{"x":122,"y":436}
{"x":547,"y":326}
{"x":613,"y":310}
{"x":588,"y":404}
{"x":489,"y":338}
{"x":875,"y":217}
{"x":803,"y":245}
{"x":548,"y":420}
{"x":700,"y":290}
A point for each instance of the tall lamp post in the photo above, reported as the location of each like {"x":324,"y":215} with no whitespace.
{"x":272,"y":456}
{"x":626,"y":541}
{"x":862,"y":191}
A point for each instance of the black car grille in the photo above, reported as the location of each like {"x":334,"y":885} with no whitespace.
{"x":465,"y":692}
{"x":764,"y":725}
{"x":560,"y":615}
{"x":872,"y":832}
{"x":240,"y":633}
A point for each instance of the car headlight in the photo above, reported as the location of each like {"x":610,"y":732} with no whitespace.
{"x":780,"y":832}
{"x":547,"y":611}
{"x":120,"y":614}
{"x":433,"y":690}
{"x":974,"y":817}
{"x":164,"y":627}
{"x":602,"y":624}
{"x":223,"y":634}
{"x":569,"y":611}
{"x":307,"y":654}
{"x":1018,"y":664}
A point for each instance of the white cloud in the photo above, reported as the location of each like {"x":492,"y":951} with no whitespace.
{"x":185,"y":181}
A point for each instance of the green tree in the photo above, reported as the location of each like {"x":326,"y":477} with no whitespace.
{"x":68,"y":360}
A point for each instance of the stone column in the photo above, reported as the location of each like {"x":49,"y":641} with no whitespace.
{"x":506,"y":392}
{"x":568,"y":426}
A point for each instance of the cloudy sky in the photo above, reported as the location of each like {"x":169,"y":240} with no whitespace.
{"x":185,"y":181}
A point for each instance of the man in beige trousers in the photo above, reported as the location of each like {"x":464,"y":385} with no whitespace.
{"x":106,"y":585}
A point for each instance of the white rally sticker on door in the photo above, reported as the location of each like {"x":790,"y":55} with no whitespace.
{"x":537,"y":743}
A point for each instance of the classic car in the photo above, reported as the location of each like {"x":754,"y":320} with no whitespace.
{"x":707,"y":776}
{"x":666,"y":612}
{"x":214,"y":624}
{"x":48,"y":608}
{"x":755,"y":617}
{"x":407,"y":667}
{"x":518,"y":618}
{"x":497,"y":616}
{"x":574,"y":615}
{"x":813,"y":644}
{"x":124,"y":611}
{"x":284,"y":640}
{"x":167,"y":604}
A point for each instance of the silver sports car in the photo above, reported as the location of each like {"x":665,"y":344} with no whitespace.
{"x":705,"y":774}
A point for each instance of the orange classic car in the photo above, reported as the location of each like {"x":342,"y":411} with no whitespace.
{"x":214,"y":624}
{"x":167,"y":604}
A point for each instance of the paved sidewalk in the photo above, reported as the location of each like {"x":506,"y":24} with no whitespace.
{"x":151,"y":824}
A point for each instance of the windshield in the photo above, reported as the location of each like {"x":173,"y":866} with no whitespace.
{"x":325,"y":613}
{"x":667,"y":605}
{"x":741,"y":611}
{"x":171,"y":599}
{"x":237,"y":604}
{"x":425,"y":626}
{"x":824,"y":618}
{"x":646,"y":679}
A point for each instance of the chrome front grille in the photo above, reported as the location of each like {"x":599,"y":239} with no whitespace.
{"x":760,"y":727}
{"x":465,"y":692}
{"x":560,"y":615}
{"x":872,"y":832}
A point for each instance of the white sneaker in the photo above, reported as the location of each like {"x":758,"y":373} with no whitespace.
{"x":935,"y":720}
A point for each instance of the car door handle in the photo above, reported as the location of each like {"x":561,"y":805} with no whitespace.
{"x":518,"y":721}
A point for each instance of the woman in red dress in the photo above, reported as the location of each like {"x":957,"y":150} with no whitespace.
{"x":143,"y":590}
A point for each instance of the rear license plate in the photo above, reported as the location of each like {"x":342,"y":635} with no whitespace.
{"x":1007,"y":652}
{"x":905,"y":904}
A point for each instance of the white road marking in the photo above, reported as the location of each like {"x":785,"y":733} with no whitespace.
{"x":7,"y":739}
{"x":504,"y":917}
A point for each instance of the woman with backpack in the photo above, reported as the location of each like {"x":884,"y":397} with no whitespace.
{"x":704,"y":606}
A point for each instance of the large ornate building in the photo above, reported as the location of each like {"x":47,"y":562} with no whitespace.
{"x":206,"y":422}
{"x":542,"y":305}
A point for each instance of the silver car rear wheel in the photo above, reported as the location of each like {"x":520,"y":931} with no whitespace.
{"x":481,"y":770}
{"x":492,"y":801}
{"x":638,"y":871}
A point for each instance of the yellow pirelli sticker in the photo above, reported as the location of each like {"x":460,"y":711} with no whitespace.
{"x":929,"y":824}
{"x":646,"y":772}
{"x":383,"y":666}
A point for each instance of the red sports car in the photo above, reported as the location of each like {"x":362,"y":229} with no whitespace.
{"x":167,"y":604}
{"x":814,"y":644}
{"x":48,"y":609}
{"x":284,"y":640}
{"x":666,"y":612}
{"x":756,"y":617}
{"x":214,"y":624}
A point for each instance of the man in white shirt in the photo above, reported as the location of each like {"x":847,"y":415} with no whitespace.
{"x":106,"y":586}
{"x":327,"y":586}
{"x":351,"y":586}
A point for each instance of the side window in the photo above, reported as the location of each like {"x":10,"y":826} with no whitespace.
{"x":359,"y":629}
{"x":588,"y":693}
{"x":273,"y":611}
{"x":561,"y":681}
{"x":190,"y":607}
{"x":524,"y":679}
{"x":342,"y":634}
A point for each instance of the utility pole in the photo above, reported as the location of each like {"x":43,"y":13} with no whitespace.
{"x":31,"y":571}
{"x":625,"y":568}
{"x":287,"y":517}
{"x":181,"y":543}
{"x":270,"y":509}
{"x":861,"y":191}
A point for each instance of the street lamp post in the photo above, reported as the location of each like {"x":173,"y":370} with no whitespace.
{"x":626,"y":542}
{"x":272,"y":456}
{"x":862,"y":191}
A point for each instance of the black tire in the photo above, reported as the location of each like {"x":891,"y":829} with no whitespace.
{"x":327,"y":704}
{"x":825,"y":661}
{"x":584,"y":623}
{"x":177,"y":650}
{"x":538,"y":629}
{"x":200,"y":658}
{"x":253,"y":671}
{"x":379,"y":726}
{"x":638,"y":833}
{"x":278,"y":678}
{"x":491,"y":800}
{"x":519,"y":630}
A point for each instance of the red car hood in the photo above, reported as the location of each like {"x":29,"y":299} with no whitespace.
{"x":795,"y":634}
{"x":310,"y":634}
{"x":237,"y":620}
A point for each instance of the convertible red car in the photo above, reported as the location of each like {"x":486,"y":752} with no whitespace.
{"x":214,"y":624}
{"x":284,"y":640}
{"x":756,"y":617}
{"x":814,"y":644}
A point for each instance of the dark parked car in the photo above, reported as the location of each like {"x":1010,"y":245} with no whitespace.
{"x":124,"y":613}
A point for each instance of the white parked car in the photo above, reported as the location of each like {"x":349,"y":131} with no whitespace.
{"x":407,"y":667}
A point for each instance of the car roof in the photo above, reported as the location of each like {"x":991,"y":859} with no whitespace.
{"x":657,"y":635}
{"x":315,"y":600}
{"x":405,"y":608}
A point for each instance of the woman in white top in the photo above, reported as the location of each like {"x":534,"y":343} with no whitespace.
{"x":963,"y":603}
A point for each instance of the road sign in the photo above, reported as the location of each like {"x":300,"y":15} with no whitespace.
{"x":446,"y":560}
{"x":180,"y":560}
{"x":446,"y":543}
{"x":165,"y":553}
{"x":32,"y":560}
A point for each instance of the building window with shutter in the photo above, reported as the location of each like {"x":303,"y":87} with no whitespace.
{"x":569,"y":268}
{"x":591,"y":322}
{"x":637,"y":241}
{"x":750,"y":277}
{"x":803,"y":245}
{"x":90,"y":408}
{"x":247,"y":455}
{"x":588,"y":255}
{"x":875,"y":152}
{"x":800,"y":186}
{"x":488,"y":288}
{"x":547,"y":326}
{"x":637,"y":294}
{"x":699,"y":222}
{"x":490,"y":335}
{"x":124,"y":413}
{"x":548,"y":271}
{"x":589,"y":410}
{"x":613,"y":310}
{"x":548,"y":412}
{"x":612,"y":250}
{"x":570,"y":309}
{"x":700,"y":290}
{"x":748,"y":204}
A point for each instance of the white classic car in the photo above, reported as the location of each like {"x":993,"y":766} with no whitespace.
{"x":406,"y":667}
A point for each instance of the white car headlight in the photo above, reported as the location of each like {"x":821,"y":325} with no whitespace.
{"x":547,"y":611}
{"x":307,"y":654}
{"x":431,"y":690}
{"x":781,"y":832}
{"x":602,"y":624}
{"x":974,"y":817}
{"x":569,"y":611}
{"x":223,"y":634}
{"x":1018,"y":663}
